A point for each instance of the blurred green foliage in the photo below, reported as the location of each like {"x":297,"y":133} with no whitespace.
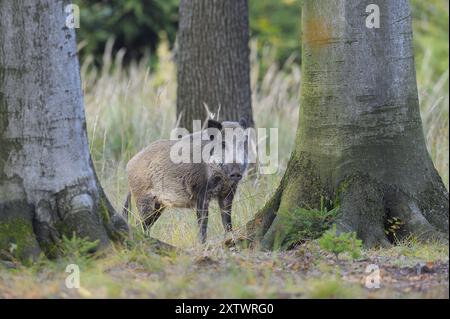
{"x":136,"y":25}
{"x":430,"y":21}
{"x":276,"y":23}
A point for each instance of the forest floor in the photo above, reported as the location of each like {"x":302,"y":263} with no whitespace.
{"x":410,"y":270}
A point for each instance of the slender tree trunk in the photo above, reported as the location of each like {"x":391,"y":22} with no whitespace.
{"x":213,"y":61}
{"x":48,"y":186}
{"x":359,"y":143}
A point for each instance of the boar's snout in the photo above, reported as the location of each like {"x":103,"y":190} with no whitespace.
{"x":234,"y":171}
{"x":236,"y":177}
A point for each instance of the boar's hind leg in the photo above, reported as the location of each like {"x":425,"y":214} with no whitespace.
{"x":150,"y":210}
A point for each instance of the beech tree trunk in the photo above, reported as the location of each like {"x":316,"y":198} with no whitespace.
{"x":213,"y":61}
{"x":48,"y":186}
{"x":359,"y":144}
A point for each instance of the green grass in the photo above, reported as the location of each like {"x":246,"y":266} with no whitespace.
{"x":410,"y":251}
{"x":329,"y":287}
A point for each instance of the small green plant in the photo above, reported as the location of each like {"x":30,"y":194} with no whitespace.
{"x":70,"y":250}
{"x":309,"y":224}
{"x":76,"y":247}
{"x":344,"y":242}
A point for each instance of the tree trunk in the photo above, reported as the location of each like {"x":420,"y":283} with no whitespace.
{"x":48,"y":186}
{"x":213,"y":61}
{"x":359,"y":143}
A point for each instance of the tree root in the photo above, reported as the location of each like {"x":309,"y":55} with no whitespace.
{"x":366,"y":206}
{"x":258,"y":227}
{"x":361,"y":210}
{"x":414,"y":220}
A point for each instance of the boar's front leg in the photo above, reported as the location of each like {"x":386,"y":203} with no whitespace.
{"x":225,"y":204}
{"x":202,"y":215}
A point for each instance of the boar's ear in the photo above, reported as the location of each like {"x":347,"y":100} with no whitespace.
{"x":243,"y":123}
{"x":214,"y":124}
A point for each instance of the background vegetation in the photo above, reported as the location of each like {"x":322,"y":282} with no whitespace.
{"x":131,"y":31}
{"x":135,"y":25}
{"x":139,"y":25}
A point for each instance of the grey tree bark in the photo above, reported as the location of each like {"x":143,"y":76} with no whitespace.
{"x":213,"y":61}
{"x":48,"y":186}
{"x":359,"y":143}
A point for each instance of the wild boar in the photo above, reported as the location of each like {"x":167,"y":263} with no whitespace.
{"x":156,"y":181}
